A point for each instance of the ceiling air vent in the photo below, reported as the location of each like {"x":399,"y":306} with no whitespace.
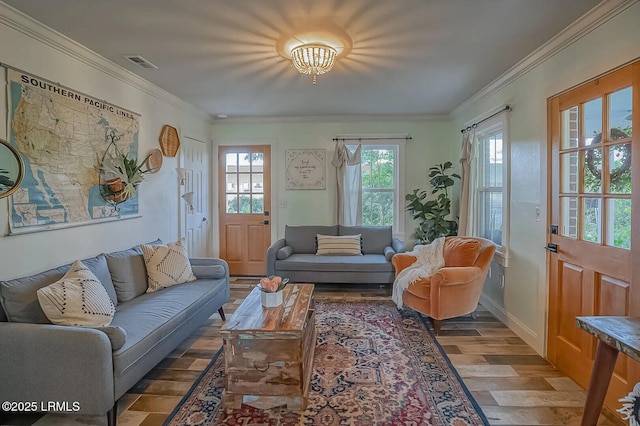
{"x":140,"y":61}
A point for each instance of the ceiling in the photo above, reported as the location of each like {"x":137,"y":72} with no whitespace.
{"x":407,"y":57}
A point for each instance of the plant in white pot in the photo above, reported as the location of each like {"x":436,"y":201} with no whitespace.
{"x":271,"y":290}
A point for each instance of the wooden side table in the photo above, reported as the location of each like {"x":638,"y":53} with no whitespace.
{"x":615,"y":335}
{"x":269,"y":351}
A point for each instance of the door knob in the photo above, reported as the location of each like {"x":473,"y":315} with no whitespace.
{"x":552,"y":247}
{"x":266,"y":222}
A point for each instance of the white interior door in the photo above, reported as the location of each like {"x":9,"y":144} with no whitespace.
{"x":195,"y":155}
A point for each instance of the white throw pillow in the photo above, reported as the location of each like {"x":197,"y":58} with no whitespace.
{"x":339,"y":245}
{"x":78,"y":298}
{"x":167,"y":265}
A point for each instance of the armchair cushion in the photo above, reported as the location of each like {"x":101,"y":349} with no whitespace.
{"x":459,"y":251}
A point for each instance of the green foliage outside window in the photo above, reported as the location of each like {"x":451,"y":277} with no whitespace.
{"x":619,"y":183}
{"x":247,"y":205}
{"x":377,"y":169}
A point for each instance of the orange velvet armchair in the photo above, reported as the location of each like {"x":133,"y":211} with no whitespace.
{"x":454,"y":290}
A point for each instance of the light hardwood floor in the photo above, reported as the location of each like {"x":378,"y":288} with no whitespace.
{"x":512,"y":384}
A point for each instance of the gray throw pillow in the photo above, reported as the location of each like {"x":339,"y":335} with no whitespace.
{"x":389,"y":252}
{"x":284,"y":252}
{"x":116,"y":334}
{"x":208,"y":271}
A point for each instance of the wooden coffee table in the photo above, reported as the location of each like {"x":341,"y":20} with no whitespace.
{"x":268,"y":352}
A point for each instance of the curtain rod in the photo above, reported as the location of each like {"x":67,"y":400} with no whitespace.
{"x":407,"y":138}
{"x":474,"y":125}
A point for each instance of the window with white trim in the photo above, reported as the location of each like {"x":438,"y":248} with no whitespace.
{"x":382,"y":184}
{"x":492,"y":156}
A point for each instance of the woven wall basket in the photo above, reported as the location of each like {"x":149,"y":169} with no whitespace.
{"x":169,"y":141}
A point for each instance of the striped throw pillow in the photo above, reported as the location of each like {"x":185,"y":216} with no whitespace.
{"x":341,"y":245}
{"x":167,"y":265}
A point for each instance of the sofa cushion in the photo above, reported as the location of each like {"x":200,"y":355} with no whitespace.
{"x":19,"y":296}
{"x":128,"y":273}
{"x":347,"y":245}
{"x":302,"y":239}
{"x":152,"y":317}
{"x":78,"y":298}
{"x":460,"y":251}
{"x":335,"y":263}
{"x":374,"y":238}
{"x":167,"y":265}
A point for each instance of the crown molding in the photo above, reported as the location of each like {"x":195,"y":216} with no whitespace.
{"x":603,"y":12}
{"x":36,"y":30}
{"x":346,"y":118}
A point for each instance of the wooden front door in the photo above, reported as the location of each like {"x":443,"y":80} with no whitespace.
{"x":244,"y":176}
{"x":592,"y":129}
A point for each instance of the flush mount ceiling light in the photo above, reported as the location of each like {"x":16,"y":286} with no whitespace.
{"x":313,"y":59}
{"x":314,"y":46}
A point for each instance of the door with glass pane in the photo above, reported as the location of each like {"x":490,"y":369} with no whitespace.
{"x":244,"y":194}
{"x":591,"y":199}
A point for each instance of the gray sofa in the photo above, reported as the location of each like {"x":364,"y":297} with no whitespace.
{"x":94,"y":367}
{"x":294,"y":256}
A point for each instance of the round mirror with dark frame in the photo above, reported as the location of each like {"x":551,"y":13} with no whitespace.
{"x":11,"y":169}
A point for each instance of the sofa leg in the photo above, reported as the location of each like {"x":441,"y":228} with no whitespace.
{"x":221,"y":312}
{"x":112,"y":415}
{"x":437,"y":325}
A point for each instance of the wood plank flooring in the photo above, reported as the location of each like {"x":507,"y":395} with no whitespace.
{"x":511,"y":383}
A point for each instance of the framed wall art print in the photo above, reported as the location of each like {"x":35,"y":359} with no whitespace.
{"x":305,"y":169}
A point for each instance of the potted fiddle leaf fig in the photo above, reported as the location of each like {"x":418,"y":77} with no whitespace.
{"x":433,"y":214}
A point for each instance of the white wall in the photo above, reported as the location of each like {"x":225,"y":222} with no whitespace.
{"x":60,"y":60}
{"x":430,"y":145}
{"x":523,"y":301}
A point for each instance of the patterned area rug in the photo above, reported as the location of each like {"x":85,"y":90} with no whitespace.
{"x":373,"y":365}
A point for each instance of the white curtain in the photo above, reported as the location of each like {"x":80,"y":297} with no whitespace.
{"x":469,"y":186}
{"x":349,"y":194}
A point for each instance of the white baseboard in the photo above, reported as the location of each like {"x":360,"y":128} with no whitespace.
{"x":525,"y":333}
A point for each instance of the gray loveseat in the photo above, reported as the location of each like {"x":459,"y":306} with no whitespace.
{"x":91,"y":368}
{"x":294,"y":256}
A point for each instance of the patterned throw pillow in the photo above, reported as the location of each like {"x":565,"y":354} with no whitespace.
{"x":339,"y":245}
{"x":167,"y":265}
{"x":78,"y":298}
